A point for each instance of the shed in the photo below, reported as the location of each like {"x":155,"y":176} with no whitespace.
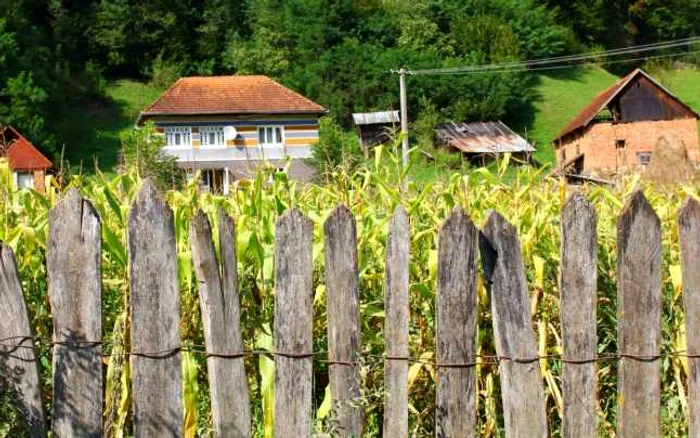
{"x":376,"y":128}
{"x":478,"y":140}
{"x":28,"y":165}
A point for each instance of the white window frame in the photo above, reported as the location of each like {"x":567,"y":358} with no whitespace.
{"x":264,"y":128}
{"x":24,"y":177}
{"x":644,"y":158}
{"x":185,"y":133}
{"x":218,"y":131}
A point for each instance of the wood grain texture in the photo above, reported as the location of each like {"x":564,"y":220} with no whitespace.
{"x":396,"y":327}
{"x":689,"y":239}
{"x":18,"y":365}
{"x":639,"y":318}
{"x":524,"y":408}
{"x":456,"y":317}
{"x":155,"y":317}
{"x":577,"y":283}
{"x":75,"y":293}
{"x":219,"y":305}
{"x":293,"y":331}
{"x":343,"y":308}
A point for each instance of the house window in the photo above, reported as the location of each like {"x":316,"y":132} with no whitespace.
{"x":644,"y":158}
{"x":178,"y":136}
{"x":25,"y":180}
{"x":270,"y":136}
{"x":212,"y":135}
{"x":620,"y":144}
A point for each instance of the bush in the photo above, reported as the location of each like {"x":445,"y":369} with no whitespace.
{"x":141,"y":149}
{"x":335,"y":147}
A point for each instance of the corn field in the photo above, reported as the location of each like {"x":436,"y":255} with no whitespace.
{"x":529,"y":200}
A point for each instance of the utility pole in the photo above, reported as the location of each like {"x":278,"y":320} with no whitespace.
{"x":404,"y":117}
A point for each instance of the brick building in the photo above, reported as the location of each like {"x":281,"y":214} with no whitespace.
{"x":619,"y":128}
{"x":28,"y":165}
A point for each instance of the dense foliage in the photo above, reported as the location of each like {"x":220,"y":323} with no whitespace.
{"x":55,"y":54}
{"x":531,"y":203}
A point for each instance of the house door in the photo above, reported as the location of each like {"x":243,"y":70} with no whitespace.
{"x":213,"y":180}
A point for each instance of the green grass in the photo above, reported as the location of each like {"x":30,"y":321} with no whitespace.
{"x":95,"y":128}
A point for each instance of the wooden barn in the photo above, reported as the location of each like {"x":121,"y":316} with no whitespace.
{"x":618,"y":130}
{"x":483,"y":141}
{"x":376,"y":128}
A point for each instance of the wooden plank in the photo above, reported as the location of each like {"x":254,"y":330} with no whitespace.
{"x":293,"y":330}
{"x":521,"y":382}
{"x":343,"y":308}
{"x":18,"y":362}
{"x":577,"y":283}
{"x":456,"y":318}
{"x":155,"y":317}
{"x":218,"y":298}
{"x":396,"y":327}
{"x":639,"y":318}
{"x":689,"y":239}
{"x":75,"y":293}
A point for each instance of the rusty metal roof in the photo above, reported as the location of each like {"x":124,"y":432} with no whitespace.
{"x":482,"y":137}
{"x":376,"y":118}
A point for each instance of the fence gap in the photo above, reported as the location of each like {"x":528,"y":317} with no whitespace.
{"x":639,"y":318}
{"x":577,"y":283}
{"x":18,"y":362}
{"x":396,"y":327}
{"x":218,"y":300}
{"x":343,"y":308}
{"x":75,"y":292}
{"x":456,"y":324}
{"x":155,"y":317}
{"x":689,"y":238}
{"x":293,"y":330}
{"x":521,"y":382}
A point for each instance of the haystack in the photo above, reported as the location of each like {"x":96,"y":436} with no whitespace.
{"x":669,"y":163}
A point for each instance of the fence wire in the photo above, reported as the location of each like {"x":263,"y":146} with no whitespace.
{"x":43,"y":347}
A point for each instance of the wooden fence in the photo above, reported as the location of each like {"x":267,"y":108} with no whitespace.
{"x":73,"y":266}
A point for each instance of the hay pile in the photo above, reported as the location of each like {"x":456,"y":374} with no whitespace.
{"x":669,"y":163}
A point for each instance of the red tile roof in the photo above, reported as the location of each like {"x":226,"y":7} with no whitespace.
{"x":230,"y":95}
{"x":602,"y":100}
{"x":21,"y":154}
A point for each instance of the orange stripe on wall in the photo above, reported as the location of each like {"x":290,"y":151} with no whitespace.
{"x":300,"y":141}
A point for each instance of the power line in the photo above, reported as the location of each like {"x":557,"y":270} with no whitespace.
{"x":533,"y":64}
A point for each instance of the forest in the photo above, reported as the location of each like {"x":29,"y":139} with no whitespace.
{"x":57,"y":55}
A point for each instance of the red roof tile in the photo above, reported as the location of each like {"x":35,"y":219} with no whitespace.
{"x":230,"y":95}
{"x":602,"y":100}
{"x":21,"y":154}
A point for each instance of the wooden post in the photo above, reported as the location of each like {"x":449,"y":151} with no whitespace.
{"x":155,"y":317}
{"x":343,"y":307}
{"x":218,"y":298}
{"x":456,"y":327}
{"x":521,"y":383}
{"x":577,"y":282}
{"x":74,"y":286}
{"x":639,"y":318}
{"x":293,"y":325}
{"x":396,"y":327}
{"x":689,"y":239}
{"x":18,"y":364}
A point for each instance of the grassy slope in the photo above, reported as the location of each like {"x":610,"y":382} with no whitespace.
{"x":96,"y":128}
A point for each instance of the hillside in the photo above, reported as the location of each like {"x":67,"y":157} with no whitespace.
{"x":564,"y":93}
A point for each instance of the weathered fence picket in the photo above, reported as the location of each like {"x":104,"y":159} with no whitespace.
{"x":396,"y":327}
{"x":521,"y":382}
{"x":155,"y":317}
{"x":343,"y":308}
{"x":75,"y":290}
{"x":74,"y":287}
{"x":218,"y":300}
{"x":639,"y":319}
{"x":577,"y":284}
{"x":689,"y":238}
{"x":456,"y":315}
{"x":18,"y":362}
{"x":293,"y":330}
